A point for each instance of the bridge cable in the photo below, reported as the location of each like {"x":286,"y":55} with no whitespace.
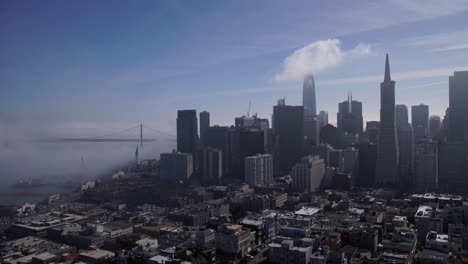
{"x":159,"y":131}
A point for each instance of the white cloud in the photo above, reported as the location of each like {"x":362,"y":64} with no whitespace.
{"x":362,"y":49}
{"x":446,"y":41}
{"x":318,"y":56}
{"x":426,"y":9}
{"x":452,"y":47}
{"x":398,"y":76}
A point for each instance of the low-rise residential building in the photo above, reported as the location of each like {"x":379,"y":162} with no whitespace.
{"x":287,"y":253}
{"x":234,"y":240}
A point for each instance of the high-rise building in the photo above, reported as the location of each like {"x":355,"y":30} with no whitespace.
{"x":311,"y":125}
{"x":336,"y":159}
{"x":372,"y":130}
{"x":445,"y":126}
{"x":176,"y":166}
{"x":323,"y":151}
{"x":308,"y":173}
{"x":350,"y":162}
{"x":420,"y":120}
{"x":426,"y":166}
{"x":187,"y":133}
{"x":322,"y":119}
{"x":434,"y":126}
{"x":387,"y":151}
{"x":244,"y":142}
{"x":217,"y":137}
{"x":453,"y":167}
{"x":311,"y":130}
{"x":211,"y":167}
{"x":367,"y":161}
{"x":401,"y":116}
{"x":288,"y":127}
{"x":405,"y":146}
{"x":259,"y":170}
{"x":458,"y":113}
{"x":254,"y":122}
{"x":204,"y":125}
{"x":308,"y":96}
{"x":329,"y":135}
{"x":406,"y":150}
{"x":349,"y":117}
{"x":347,"y":140}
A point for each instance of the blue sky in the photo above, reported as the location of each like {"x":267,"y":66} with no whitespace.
{"x":93,"y":67}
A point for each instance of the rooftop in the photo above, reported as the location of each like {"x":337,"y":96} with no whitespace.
{"x":307,"y":211}
{"x":424,"y":212}
{"x":97,"y":254}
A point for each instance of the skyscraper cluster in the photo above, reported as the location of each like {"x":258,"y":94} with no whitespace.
{"x":426,"y":154}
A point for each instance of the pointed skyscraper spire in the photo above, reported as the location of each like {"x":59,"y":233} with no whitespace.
{"x":387,"y":70}
{"x":387,"y":163}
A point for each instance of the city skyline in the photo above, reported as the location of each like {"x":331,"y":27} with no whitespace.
{"x":39,"y":80}
{"x":234,"y":131}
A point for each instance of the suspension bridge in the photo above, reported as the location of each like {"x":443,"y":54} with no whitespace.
{"x":117,"y":136}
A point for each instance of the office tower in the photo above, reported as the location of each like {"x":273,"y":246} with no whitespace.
{"x":405,"y":146}
{"x":367,"y":161}
{"x":458,"y":114}
{"x":420,"y":120}
{"x":204,"y":125}
{"x":187,"y":133}
{"x":254,"y":122}
{"x":406,"y":150}
{"x":329,"y":135}
{"x":259,"y":170}
{"x":426,"y":166}
{"x":175,"y":166}
{"x":307,"y":174}
{"x":322,"y":119}
{"x":341,"y":180}
{"x":453,"y":170}
{"x":445,"y":125}
{"x":347,"y":139}
{"x":270,"y":142}
{"x":350,"y":162}
{"x":401,"y":116}
{"x":288,"y":127}
{"x":311,"y":126}
{"x":323,"y":151}
{"x":336,"y":159}
{"x":243,"y":142}
{"x":372,"y":130}
{"x":211,"y":167}
{"x":217,"y":137}
{"x":311,"y":130}
{"x":308,"y":96}
{"x":434,"y":126}
{"x":387,"y":151}
{"x":349,"y":117}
